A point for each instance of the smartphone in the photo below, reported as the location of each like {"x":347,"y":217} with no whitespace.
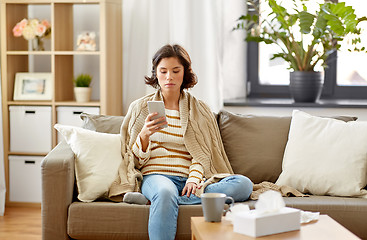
{"x":157,"y":106}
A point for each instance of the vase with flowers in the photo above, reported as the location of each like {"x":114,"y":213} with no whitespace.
{"x":33,"y":30}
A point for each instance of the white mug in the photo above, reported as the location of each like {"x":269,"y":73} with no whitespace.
{"x":213,"y":206}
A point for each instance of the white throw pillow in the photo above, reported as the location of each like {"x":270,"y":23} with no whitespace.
{"x":98,"y":157}
{"x":325,"y":156}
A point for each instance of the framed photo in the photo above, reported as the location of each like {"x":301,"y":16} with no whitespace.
{"x":86,"y":41}
{"x":33,"y":86}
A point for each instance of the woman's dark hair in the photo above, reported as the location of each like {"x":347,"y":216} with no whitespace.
{"x":167,"y":51}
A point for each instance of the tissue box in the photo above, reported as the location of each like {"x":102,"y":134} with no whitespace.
{"x":253,"y":224}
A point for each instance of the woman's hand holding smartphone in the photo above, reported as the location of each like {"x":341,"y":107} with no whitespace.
{"x":155,"y":121}
{"x":157,"y":106}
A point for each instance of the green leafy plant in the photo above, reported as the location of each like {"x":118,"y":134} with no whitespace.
{"x":83,"y":80}
{"x":306,"y":39}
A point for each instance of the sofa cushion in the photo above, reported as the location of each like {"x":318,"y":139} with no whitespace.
{"x":255,"y":144}
{"x":106,"y":220}
{"x":98,"y":157}
{"x":102,"y":123}
{"x":325,"y":156}
{"x":351,"y":212}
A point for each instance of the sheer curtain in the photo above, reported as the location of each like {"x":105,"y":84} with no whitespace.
{"x":203,"y":28}
{"x":2,"y":172}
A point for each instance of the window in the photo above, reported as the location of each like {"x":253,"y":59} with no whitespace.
{"x":351,"y":67}
{"x":346,"y":77}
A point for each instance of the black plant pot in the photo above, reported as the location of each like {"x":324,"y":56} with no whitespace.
{"x":306,"y":86}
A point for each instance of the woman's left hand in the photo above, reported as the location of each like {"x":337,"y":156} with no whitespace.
{"x":190,"y":188}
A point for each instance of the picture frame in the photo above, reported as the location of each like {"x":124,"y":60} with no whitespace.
{"x":32,"y":86}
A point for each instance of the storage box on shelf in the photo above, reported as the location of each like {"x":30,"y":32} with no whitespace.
{"x":71,"y":116}
{"x":30,"y":129}
{"x":61,"y":59}
{"x":25,"y":179}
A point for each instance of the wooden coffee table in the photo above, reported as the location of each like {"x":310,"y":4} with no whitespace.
{"x":324,"y":228}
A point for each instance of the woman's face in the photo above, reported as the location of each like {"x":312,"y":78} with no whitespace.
{"x":170,"y":73}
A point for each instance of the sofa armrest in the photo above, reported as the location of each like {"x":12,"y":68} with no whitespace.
{"x":57,"y":191}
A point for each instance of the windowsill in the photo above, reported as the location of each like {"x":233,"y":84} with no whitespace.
{"x":286,"y":102}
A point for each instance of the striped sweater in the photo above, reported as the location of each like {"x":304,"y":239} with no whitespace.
{"x":202,"y":140}
{"x":167,"y":154}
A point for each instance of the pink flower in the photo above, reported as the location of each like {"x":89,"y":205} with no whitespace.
{"x":45,"y":23}
{"x":23,"y":23}
{"x":40,"y":30}
{"x":18,"y":29}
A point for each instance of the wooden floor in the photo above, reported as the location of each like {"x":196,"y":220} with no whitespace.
{"x":21,"y":223}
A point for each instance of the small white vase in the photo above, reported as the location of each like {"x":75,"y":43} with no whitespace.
{"x":82,"y":94}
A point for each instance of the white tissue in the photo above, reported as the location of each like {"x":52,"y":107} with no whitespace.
{"x":269,"y":202}
{"x":309,"y":216}
{"x":236,"y":209}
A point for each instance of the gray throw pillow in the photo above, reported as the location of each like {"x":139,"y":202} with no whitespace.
{"x":255,"y":144}
{"x":102,"y":123}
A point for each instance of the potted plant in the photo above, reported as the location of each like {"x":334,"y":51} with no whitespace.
{"x":82,"y":89}
{"x":306,"y":39}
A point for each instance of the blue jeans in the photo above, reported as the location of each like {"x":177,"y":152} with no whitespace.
{"x":164,"y":193}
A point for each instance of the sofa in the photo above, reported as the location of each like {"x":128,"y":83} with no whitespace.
{"x":255,"y":146}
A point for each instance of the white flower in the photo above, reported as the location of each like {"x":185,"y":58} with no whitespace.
{"x":33,"y":23}
{"x":28,"y":33}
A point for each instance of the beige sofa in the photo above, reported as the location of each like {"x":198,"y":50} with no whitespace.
{"x":255,"y":146}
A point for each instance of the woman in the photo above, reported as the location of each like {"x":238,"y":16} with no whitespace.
{"x":175,"y":161}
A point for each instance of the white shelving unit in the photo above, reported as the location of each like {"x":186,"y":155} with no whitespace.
{"x":60,"y":58}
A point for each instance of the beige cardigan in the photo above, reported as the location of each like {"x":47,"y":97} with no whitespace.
{"x":202,"y":139}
